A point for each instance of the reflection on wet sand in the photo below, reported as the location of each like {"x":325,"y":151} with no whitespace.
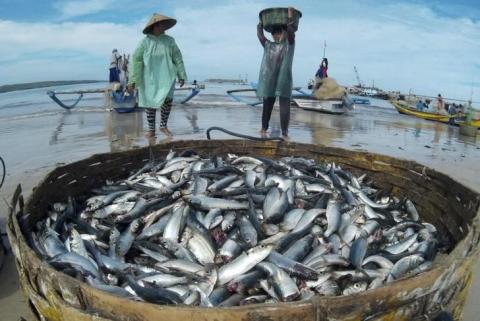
{"x":192,"y":116}
{"x":321,"y":126}
{"x":58,"y":130}
{"x":123,"y":129}
{"x":54,"y":139}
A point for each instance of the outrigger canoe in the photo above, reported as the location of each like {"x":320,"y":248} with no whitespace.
{"x":302,"y":99}
{"x":118,"y":101}
{"x":402,"y":108}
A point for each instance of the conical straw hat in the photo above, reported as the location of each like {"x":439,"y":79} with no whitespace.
{"x":166,"y":21}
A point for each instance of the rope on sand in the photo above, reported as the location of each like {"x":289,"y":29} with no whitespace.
{"x":261,"y":139}
{"x":4,"y":171}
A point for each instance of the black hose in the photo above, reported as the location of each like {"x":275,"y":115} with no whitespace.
{"x":261,"y":139}
{"x":4,"y":172}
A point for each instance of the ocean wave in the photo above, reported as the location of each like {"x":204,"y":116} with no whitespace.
{"x":207,"y":103}
{"x":52,"y":113}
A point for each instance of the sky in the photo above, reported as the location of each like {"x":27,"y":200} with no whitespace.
{"x":427,"y":47}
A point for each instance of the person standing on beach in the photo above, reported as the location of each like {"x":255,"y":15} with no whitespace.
{"x":156,"y":63}
{"x":114,"y":63}
{"x":275,"y":79}
{"x":322,"y":72}
{"x":441,"y":106}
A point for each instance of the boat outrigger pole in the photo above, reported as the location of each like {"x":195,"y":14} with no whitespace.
{"x":233,"y":94}
{"x":52,"y":94}
{"x":195,"y":90}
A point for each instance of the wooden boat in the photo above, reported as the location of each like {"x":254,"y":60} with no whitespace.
{"x":452,"y":207}
{"x":331,"y":106}
{"x":405,"y":109}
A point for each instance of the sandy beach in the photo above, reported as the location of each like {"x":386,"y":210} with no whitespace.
{"x":37,"y":135}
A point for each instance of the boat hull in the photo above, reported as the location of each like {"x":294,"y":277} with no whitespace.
{"x":446,"y":119}
{"x":324,"y":106}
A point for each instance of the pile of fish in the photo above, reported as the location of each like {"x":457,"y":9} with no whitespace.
{"x":236,"y":230}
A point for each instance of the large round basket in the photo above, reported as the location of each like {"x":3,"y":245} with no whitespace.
{"x":452,"y":207}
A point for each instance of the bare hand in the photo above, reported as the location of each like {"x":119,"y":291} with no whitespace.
{"x":181,"y":82}
{"x":290,"y":12}
{"x":130,"y":88}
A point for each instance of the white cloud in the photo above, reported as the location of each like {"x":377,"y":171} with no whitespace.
{"x":32,"y":51}
{"x":70,"y":9}
{"x":399,"y":46}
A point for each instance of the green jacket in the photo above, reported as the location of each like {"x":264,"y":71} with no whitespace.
{"x":275,"y":79}
{"x":156,"y":63}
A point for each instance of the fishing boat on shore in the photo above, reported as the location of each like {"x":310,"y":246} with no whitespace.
{"x":119,"y":101}
{"x":455,"y":119}
{"x":329,"y":106}
{"x":300,"y":98}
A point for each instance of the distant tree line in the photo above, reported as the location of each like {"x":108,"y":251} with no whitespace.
{"x":41,"y":84}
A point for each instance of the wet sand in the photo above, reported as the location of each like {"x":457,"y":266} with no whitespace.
{"x":33,"y":146}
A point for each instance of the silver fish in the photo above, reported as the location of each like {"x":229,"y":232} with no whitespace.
{"x":243,"y":263}
{"x":126,"y":239}
{"x":402,"y":246}
{"x":77,"y":261}
{"x":381,"y":261}
{"x":307,"y":219}
{"x":354,"y":288}
{"x":291,"y":219}
{"x":247,"y":231}
{"x":403,"y":266}
{"x":156,"y":228}
{"x":250,"y":178}
{"x":228,"y":221}
{"x":275,"y":205}
{"x":200,"y":247}
{"x":165,"y":280}
{"x":210,"y":219}
{"x":284,"y":286}
{"x":113,"y":240}
{"x":333,"y":217}
{"x":412,"y":210}
{"x":222,"y":183}
{"x":230,"y":248}
{"x":208,"y":203}
{"x":358,"y":251}
{"x":176,"y":223}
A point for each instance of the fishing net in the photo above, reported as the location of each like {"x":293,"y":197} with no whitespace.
{"x":328,"y":88}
